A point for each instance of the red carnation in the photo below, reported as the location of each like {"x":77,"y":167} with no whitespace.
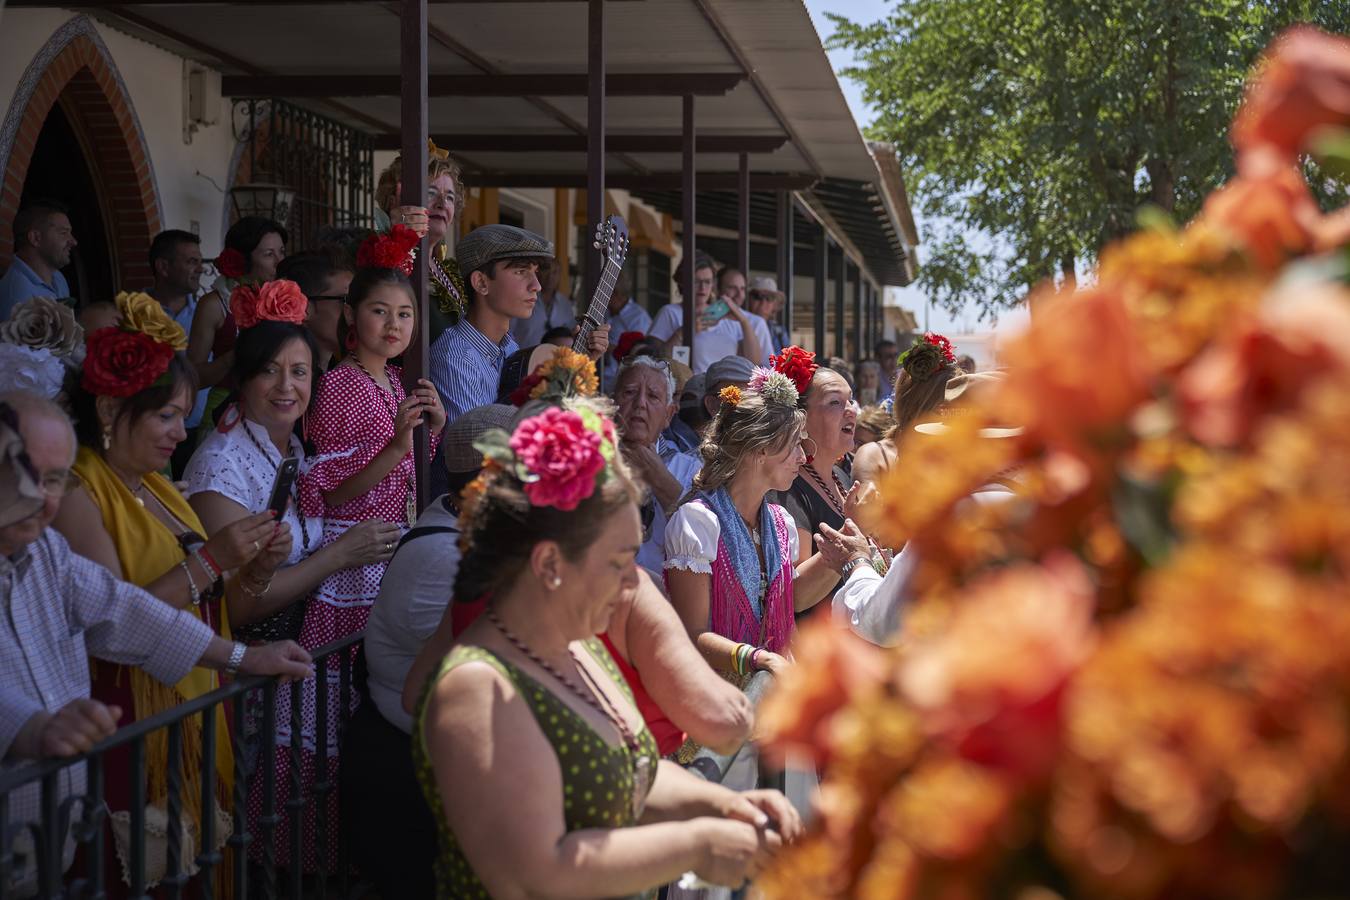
{"x":121,"y":363}
{"x":393,"y":250}
{"x":521,"y":395}
{"x":231,"y":263}
{"x":626,"y":343}
{"x":942,"y":343}
{"x":798,"y":365}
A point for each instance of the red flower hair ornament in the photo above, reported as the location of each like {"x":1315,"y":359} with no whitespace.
{"x":231,"y":263}
{"x":121,"y":363}
{"x":397,"y":249}
{"x":627,"y":341}
{"x":798,"y":365}
{"x":275,"y":301}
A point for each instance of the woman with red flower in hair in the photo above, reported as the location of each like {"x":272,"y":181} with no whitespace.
{"x":133,"y":395}
{"x":361,"y":478}
{"x":253,"y":248}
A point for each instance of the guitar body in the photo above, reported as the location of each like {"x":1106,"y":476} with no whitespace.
{"x":519,"y":365}
{"x":611,"y":238}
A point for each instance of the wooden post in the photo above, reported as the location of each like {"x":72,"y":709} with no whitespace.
{"x":822,"y":275}
{"x":858,"y":352}
{"x":595,"y":146}
{"x":840,"y":278}
{"x":413,"y":121}
{"x":689,"y":214}
{"x":743,"y":219}
{"x":786,"y":220}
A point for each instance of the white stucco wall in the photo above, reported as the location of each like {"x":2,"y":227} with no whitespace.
{"x":154,"y":80}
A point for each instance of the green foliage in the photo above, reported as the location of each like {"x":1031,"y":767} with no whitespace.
{"x":1033,"y":131}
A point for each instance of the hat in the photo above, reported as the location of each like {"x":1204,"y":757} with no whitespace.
{"x":460,"y":454}
{"x":957,"y":387}
{"x":764,"y":283}
{"x":492,"y":242}
{"x":691,"y":396}
{"x":728,"y":370}
{"x":20,"y":495}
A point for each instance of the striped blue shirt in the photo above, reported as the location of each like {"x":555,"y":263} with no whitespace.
{"x":466,"y":368}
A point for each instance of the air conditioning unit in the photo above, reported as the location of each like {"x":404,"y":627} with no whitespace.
{"x":201,"y":98}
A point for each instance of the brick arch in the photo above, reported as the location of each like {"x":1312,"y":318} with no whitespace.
{"x":76,"y":69}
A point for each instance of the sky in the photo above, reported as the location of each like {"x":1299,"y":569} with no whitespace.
{"x":866,"y":11}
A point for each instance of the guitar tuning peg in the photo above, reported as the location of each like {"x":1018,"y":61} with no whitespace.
{"x":595,"y":244}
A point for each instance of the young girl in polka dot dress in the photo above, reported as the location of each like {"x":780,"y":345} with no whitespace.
{"x":361,"y":423}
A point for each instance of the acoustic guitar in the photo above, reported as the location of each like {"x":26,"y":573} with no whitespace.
{"x":611,"y":239}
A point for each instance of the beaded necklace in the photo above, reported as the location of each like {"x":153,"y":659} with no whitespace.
{"x":642,"y":774}
{"x":825,"y":489}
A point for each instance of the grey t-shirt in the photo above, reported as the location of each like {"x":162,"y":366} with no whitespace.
{"x":413,"y":596}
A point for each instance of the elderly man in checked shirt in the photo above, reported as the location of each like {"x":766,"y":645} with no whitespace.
{"x":57,"y":609}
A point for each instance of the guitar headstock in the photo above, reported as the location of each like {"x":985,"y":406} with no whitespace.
{"x":611,"y":239}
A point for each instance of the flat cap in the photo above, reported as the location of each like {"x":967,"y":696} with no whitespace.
{"x":728,"y":370}
{"x":460,"y":454}
{"x":493,"y":242}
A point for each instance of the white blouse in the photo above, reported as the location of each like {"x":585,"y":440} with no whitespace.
{"x":692,"y":534}
{"x":235,"y":466}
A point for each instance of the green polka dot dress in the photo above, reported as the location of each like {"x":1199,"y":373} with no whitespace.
{"x":597,"y":777}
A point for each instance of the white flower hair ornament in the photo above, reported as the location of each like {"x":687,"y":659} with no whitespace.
{"x":773,"y":386}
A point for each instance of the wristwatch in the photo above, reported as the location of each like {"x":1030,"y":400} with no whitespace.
{"x":852,"y":564}
{"x":236,"y":659}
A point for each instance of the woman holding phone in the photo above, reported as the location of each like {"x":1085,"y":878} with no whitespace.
{"x":244,"y":466}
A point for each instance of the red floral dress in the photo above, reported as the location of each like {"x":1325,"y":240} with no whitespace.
{"x":351,"y":420}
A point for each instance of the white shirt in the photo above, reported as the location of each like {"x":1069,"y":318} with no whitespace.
{"x":682,"y":467}
{"x":548,"y":313}
{"x":242,"y":469}
{"x":871,"y":605}
{"x":692,"y":535}
{"x":710,"y":345}
{"x":762,"y":334}
{"x":413,"y":596}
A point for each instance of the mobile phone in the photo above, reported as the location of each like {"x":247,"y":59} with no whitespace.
{"x":281,"y":485}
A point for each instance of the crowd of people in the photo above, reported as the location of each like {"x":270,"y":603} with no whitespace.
{"x":613,"y":548}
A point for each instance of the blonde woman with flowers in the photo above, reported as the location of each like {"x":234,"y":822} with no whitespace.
{"x":531,"y":752}
{"x":729,"y":552}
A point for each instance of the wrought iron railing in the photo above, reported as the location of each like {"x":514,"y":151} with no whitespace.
{"x":45,"y":862}
{"x":330,"y":165}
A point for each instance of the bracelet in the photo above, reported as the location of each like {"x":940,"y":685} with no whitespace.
{"x":847,"y":569}
{"x":754,"y":658}
{"x":236,"y":659}
{"x":193,"y":593}
{"x":208,"y":562}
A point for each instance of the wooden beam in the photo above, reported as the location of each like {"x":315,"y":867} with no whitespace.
{"x":645,"y":84}
{"x":270,"y":4}
{"x":576,"y":143}
{"x":653,"y":181}
{"x":413,"y":115}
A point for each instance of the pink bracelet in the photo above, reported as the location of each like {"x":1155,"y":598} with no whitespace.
{"x":754,"y":658}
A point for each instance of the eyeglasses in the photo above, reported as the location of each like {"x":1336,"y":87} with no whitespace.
{"x":55,"y":484}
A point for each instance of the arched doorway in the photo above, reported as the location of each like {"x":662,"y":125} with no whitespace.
{"x":71,"y":134}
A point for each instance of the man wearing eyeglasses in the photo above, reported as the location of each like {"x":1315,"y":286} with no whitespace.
{"x":720,"y":330}
{"x":323,"y":278}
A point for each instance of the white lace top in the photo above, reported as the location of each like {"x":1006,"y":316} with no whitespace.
{"x":692,"y":534}
{"x":242,"y":469}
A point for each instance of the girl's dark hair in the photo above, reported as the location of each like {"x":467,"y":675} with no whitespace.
{"x":246,"y":234}
{"x":259,"y":345}
{"x":365,"y":281}
{"x":504,"y":528}
{"x":179,"y":377}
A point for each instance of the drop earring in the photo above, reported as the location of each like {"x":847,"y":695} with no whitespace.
{"x":107,"y":438}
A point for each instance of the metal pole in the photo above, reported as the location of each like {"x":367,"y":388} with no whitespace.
{"x":413,"y":121}
{"x":787,"y":249}
{"x":743,"y":247}
{"x":822,"y":275}
{"x":595,"y":143}
{"x":687,"y":285}
{"x":840,"y":277}
{"x":858,"y":352}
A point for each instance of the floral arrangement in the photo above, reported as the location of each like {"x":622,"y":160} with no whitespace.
{"x":395,"y":249}
{"x":38,"y":343}
{"x":231,"y":264}
{"x":776,"y":387}
{"x":127,"y":358}
{"x":927,"y":355}
{"x":565,"y":374}
{"x":798,"y":365}
{"x":1132,"y":679}
{"x":560,"y":456}
{"x":275,"y":301}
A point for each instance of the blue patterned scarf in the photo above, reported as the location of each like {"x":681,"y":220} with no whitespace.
{"x":744,"y":556}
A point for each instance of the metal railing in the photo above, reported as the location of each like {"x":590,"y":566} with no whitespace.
{"x":44,"y":864}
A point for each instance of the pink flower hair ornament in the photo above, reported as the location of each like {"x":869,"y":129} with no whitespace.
{"x":560,"y":456}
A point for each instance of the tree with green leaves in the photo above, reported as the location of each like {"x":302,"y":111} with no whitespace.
{"x":1034,"y":131}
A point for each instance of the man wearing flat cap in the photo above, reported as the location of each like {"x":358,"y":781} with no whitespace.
{"x":501,"y":266}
